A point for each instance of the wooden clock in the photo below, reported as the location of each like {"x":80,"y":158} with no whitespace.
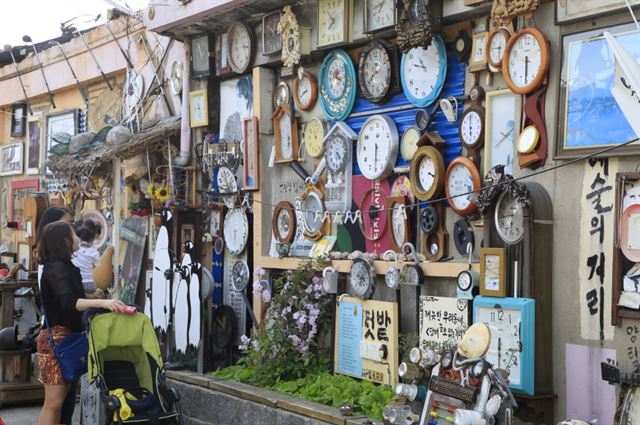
{"x":433,"y":243}
{"x":426,"y":173}
{"x":526,"y":60}
{"x":461,"y":180}
{"x":414,"y":25}
{"x":532,"y":143}
{"x":305,"y":90}
{"x":283,"y":222}
{"x":285,"y":129}
{"x":471,"y":125}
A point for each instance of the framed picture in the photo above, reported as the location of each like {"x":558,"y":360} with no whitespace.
{"x":20,"y":190}
{"x":478,"y":58}
{"x":34,"y":149}
{"x":11,"y":159}
{"x":271,"y":40}
{"x":222,"y":55}
{"x":216,"y":220}
{"x":501,"y":128}
{"x":18,"y":119}
{"x":198,"y":108}
{"x":61,"y":122}
{"x":232,"y":113}
{"x":24,"y":255}
{"x":589,"y":118}
{"x":578,"y":10}
{"x":493,"y":272}
{"x":251,"y":179}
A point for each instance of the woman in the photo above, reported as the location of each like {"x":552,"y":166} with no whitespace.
{"x":244,"y":107}
{"x":63,"y":301}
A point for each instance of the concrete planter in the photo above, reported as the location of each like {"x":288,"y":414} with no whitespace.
{"x":209,"y":400}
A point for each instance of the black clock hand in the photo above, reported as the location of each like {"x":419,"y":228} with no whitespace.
{"x":526,"y":68}
{"x":504,"y":136}
{"x":379,"y":6}
{"x":499,"y":350}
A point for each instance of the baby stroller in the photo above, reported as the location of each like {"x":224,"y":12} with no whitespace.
{"x":125,"y":380}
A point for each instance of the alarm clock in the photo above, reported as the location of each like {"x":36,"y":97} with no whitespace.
{"x":467,"y":284}
{"x":362,"y":279}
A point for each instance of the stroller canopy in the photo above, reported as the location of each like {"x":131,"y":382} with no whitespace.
{"x":114,"y":336}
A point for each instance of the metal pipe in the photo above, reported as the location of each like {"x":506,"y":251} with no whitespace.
{"x":95,"y":60}
{"x":27,"y":39}
{"x":64,"y":55}
{"x":185,"y":127}
{"x":129,"y":63}
{"x":7,"y":47}
{"x":155,"y":74}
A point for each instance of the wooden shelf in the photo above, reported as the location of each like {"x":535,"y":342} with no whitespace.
{"x":430,"y":269}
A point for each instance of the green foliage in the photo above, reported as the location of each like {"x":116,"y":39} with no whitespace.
{"x":407,"y":342}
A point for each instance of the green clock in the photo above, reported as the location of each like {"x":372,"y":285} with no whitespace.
{"x":337,"y":85}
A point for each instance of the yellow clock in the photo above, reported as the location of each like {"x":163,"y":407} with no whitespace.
{"x":528,"y":140}
{"x":333,"y":22}
{"x":314,"y":133}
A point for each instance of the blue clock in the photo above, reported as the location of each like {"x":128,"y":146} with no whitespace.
{"x":512,"y":323}
{"x":423,"y":72}
{"x":337,"y":85}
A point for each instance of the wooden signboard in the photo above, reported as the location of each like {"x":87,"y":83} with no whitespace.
{"x":367,"y":340}
{"x":443,"y":321}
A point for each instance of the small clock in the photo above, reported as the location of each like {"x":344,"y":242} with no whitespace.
{"x":471,"y":126}
{"x":374,"y":215}
{"x":337,"y":85}
{"x":337,"y":153}
{"x":240,"y":46}
{"x":282,"y":95}
{"x":338,"y":157}
{"x":379,"y":15}
{"x":461,"y":180}
{"x":305,"y":90}
{"x":509,"y":218}
{"x":466,"y":282}
{"x":201,"y":56}
{"x":462,"y":45}
{"x":377,"y":148}
{"x":362,"y":279}
{"x":478,"y":58}
{"x":528,"y":139}
{"x":271,"y":40}
{"x":412,"y":274}
{"x":398,"y":221}
{"x":423,"y":119}
{"x":240,"y":276}
{"x":313,"y":211}
{"x":283,"y":222}
{"x":526,"y":60}
{"x":314,"y":133}
{"x":227,"y":185}
{"x":409,"y":142}
{"x":429,"y":220}
{"x":497,"y":45}
{"x":333,"y":22}
{"x":392,"y":277}
{"x":285,"y":134}
{"x":176,"y":78}
{"x":291,"y":35}
{"x":423,"y":72}
{"x":426,"y":173}
{"x":378,"y":71}
{"x":236,"y":230}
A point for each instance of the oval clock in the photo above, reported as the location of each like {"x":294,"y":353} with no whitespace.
{"x":422,"y":73}
{"x":337,"y":85}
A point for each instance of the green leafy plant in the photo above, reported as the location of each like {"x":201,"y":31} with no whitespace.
{"x":407,"y":342}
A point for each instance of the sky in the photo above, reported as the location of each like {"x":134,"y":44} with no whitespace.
{"x":41,"y":19}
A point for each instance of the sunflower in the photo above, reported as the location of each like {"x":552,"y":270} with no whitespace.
{"x":152,"y":189}
{"x":162,"y":193}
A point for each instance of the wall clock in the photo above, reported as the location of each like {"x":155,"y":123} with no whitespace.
{"x":409,"y":142}
{"x":338,"y":156}
{"x":337,"y":85}
{"x":378,"y":71}
{"x":240,"y":46}
{"x":362,"y":279}
{"x":427,"y":172}
{"x":528,"y":139}
{"x":250,"y":160}
{"x":374,"y":215}
{"x":201,"y":57}
{"x":290,"y":32}
{"x":462,"y":45}
{"x":285,"y":129}
{"x":461,"y":179}
{"x":526,"y":60}
{"x":414,"y":25}
{"x":501,"y":125}
{"x":215,"y":219}
{"x":314,"y":131}
{"x":496,"y":46}
{"x":478,"y":57}
{"x":333,"y":22}
{"x":379,"y":15}
{"x":509,"y":218}
{"x":198,"y":109}
{"x":433,"y":243}
{"x":236,"y":230}
{"x":281,"y":95}
{"x":283,"y":222}
{"x":271,"y":40}
{"x":423,"y":72}
{"x":512,"y":325}
{"x":313,"y":209}
{"x":377,"y":148}
{"x":175,"y":79}
{"x":227,"y":185}
{"x":471,"y":125}
{"x":412,"y":275}
{"x":241,"y":276}
{"x":398,"y":221}
{"x":305,"y":90}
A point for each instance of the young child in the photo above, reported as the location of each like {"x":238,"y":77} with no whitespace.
{"x":87,"y":257}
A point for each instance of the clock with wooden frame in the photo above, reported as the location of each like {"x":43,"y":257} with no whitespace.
{"x":283,"y":222}
{"x":202,"y":57}
{"x":399,"y":221}
{"x":222,"y":54}
{"x":241,"y":46}
{"x":250,"y":149}
{"x":305,"y":90}
{"x":414,"y":25}
{"x":471,"y":125}
{"x":461,"y":181}
{"x":285,"y":134}
{"x":526,"y":60}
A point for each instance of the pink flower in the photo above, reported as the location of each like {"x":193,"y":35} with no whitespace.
{"x":316,"y":280}
{"x":244,"y":342}
{"x":266,"y":296}
{"x":257,"y":288}
{"x":258,"y":271}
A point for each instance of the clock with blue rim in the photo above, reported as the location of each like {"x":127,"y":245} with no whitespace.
{"x":423,"y":71}
{"x":337,"y":85}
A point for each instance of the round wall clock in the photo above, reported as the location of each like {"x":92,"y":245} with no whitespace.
{"x":240,"y":276}
{"x":236,"y":230}
{"x":462,"y":178}
{"x":336,"y":152}
{"x":375,"y":70}
{"x":526,"y":60}
{"x":462,"y":45}
{"x":362,"y":279}
{"x":426,"y":173}
{"x":337,"y":85}
{"x":471,"y":126}
{"x":283,"y":222}
{"x":282,"y":95}
{"x":429,"y":220}
{"x":374,"y":216}
{"x":509,"y":218}
{"x":497,"y":45}
{"x":312,"y":203}
{"x":377,"y":148}
{"x":240,"y":46}
{"x":528,"y":139}
{"x":305,"y":90}
{"x":176,"y":77}
{"x":423,"y":119}
{"x":314,"y":132}
{"x":227,"y":185}
{"x":423,"y":72}
{"x":412,"y":274}
{"x":409,"y":142}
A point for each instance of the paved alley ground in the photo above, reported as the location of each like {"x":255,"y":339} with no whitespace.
{"x":27,"y":414}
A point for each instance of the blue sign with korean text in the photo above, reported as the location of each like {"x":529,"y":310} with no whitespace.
{"x":348,"y":359}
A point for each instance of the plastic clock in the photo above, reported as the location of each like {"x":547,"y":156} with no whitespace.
{"x":337,"y":85}
{"x":496,"y":46}
{"x":377,"y":148}
{"x":314,"y":132}
{"x":236,"y":230}
{"x":422,"y":73}
{"x":305,"y":90}
{"x":528,"y":139}
{"x":462,"y":178}
{"x":409,"y":142}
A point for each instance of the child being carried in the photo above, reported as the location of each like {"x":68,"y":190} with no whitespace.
{"x":87,"y":257}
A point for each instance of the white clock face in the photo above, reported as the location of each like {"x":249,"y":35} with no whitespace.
{"x":312,"y":204}
{"x":214,"y":223}
{"x":360,"y":278}
{"x":337,"y":77}
{"x":227,"y":184}
{"x":330,"y":21}
{"x":506,"y":346}
{"x":283,"y":223}
{"x":398,"y":225}
{"x":464,"y":281}
{"x":377,"y":147}
{"x":313,"y":137}
{"x":377,"y":72}
{"x":471,"y":127}
{"x":411,"y":275}
{"x":236,"y":230}
{"x":509,"y":218}
{"x":286,"y":145}
{"x":528,"y":139}
{"x":460,"y":181}
{"x":392,"y":277}
{"x":498,"y":46}
{"x":380,"y":14}
{"x":421,"y":70}
{"x":409,"y":143}
{"x":337,"y":154}
{"x":240,"y":48}
{"x":525,"y":60}
{"x":282,"y":94}
{"x":426,"y":173}
{"x":304,"y":90}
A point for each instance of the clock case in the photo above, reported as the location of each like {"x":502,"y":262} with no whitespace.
{"x":438,"y":86}
{"x":395,"y":85}
{"x":338,"y":186}
{"x":211,"y":42}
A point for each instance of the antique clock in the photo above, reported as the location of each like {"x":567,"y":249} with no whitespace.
{"x":466,"y":284}
{"x":526,"y":60}
{"x":377,"y":148}
{"x":314,"y":131}
{"x":333,"y":22}
{"x":461,"y":180}
{"x":423,"y":72}
{"x":426,"y":173}
{"x":227,"y":186}
{"x":175,"y":79}
{"x":471,"y":125}
{"x":337,"y":85}
{"x":379,"y":15}
{"x":305,"y":90}
{"x":313,"y":210}
{"x":409,"y":142}
{"x":412,"y":275}
{"x":282,"y":95}
{"x":433,"y":243}
{"x":414,"y":25}
{"x":236,"y":230}
{"x":378,"y":71}
{"x":338,"y":155}
{"x":374,"y":214}
{"x":462,"y":45}
{"x":509,"y":218}
{"x":283,"y":222}
{"x":362,"y":279}
{"x":271,"y":40}
{"x":290,"y":32}
{"x":240,"y":46}
{"x":202,"y":57}
{"x":399,"y":222}
{"x":497,"y":45}
{"x":285,"y":134}
{"x":241,"y":276}
{"x":528,"y":139}
{"x":512,"y":322}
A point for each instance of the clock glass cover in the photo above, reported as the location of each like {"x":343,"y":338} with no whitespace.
{"x":509,"y":218}
{"x":377,"y":147}
{"x":375,"y":72}
{"x":338,"y":85}
{"x":423,"y":72}
{"x":286,"y":143}
{"x":461,"y":180}
{"x":362,"y":279}
{"x":497,"y":46}
{"x":336,"y":153}
{"x":409,"y":143}
{"x":312,"y":204}
{"x":471,"y":128}
{"x":526,"y":60}
{"x":240,"y":276}
{"x":236,"y":230}
{"x":381,"y":14}
{"x":240,"y":47}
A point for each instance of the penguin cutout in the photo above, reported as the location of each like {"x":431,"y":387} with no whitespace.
{"x":157,"y":303}
{"x":194,"y":305}
{"x":180,"y":295}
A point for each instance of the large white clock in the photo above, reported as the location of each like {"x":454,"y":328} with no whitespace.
{"x":377,"y":148}
{"x":423,"y":73}
{"x":236,"y":230}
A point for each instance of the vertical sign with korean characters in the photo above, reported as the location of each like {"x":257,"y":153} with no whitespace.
{"x":596,"y":240}
{"x":367,"y":340}
{"x":443,"y":321}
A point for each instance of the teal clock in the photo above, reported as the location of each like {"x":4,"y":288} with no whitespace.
{"x":423,"y":72}
{"x":337,"y":85}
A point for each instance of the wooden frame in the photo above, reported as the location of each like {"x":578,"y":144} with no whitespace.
{"x":422,"y":153}
{"x":251,"y":161}
{"x":314,"y":91}
{"x":604,"y":8}
{"x":389,"y":203}
{"x":286,"y":206}
{"x":34,"y":143}
{"x":346,"y":18}
{"x":490,"y":116}
{"x":493,"y":282}
{"x":544,"y":60}
{"x":266,"y":17}
{"x":285,"y":110}
{"x":193,"y":97}
{"x":12,"y":159}
{"x":222,"y":55}
{"x":478,"y":57}
{"x":476,"y":180}
{"x":18,"y":119}
{"x":20,"y":190}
